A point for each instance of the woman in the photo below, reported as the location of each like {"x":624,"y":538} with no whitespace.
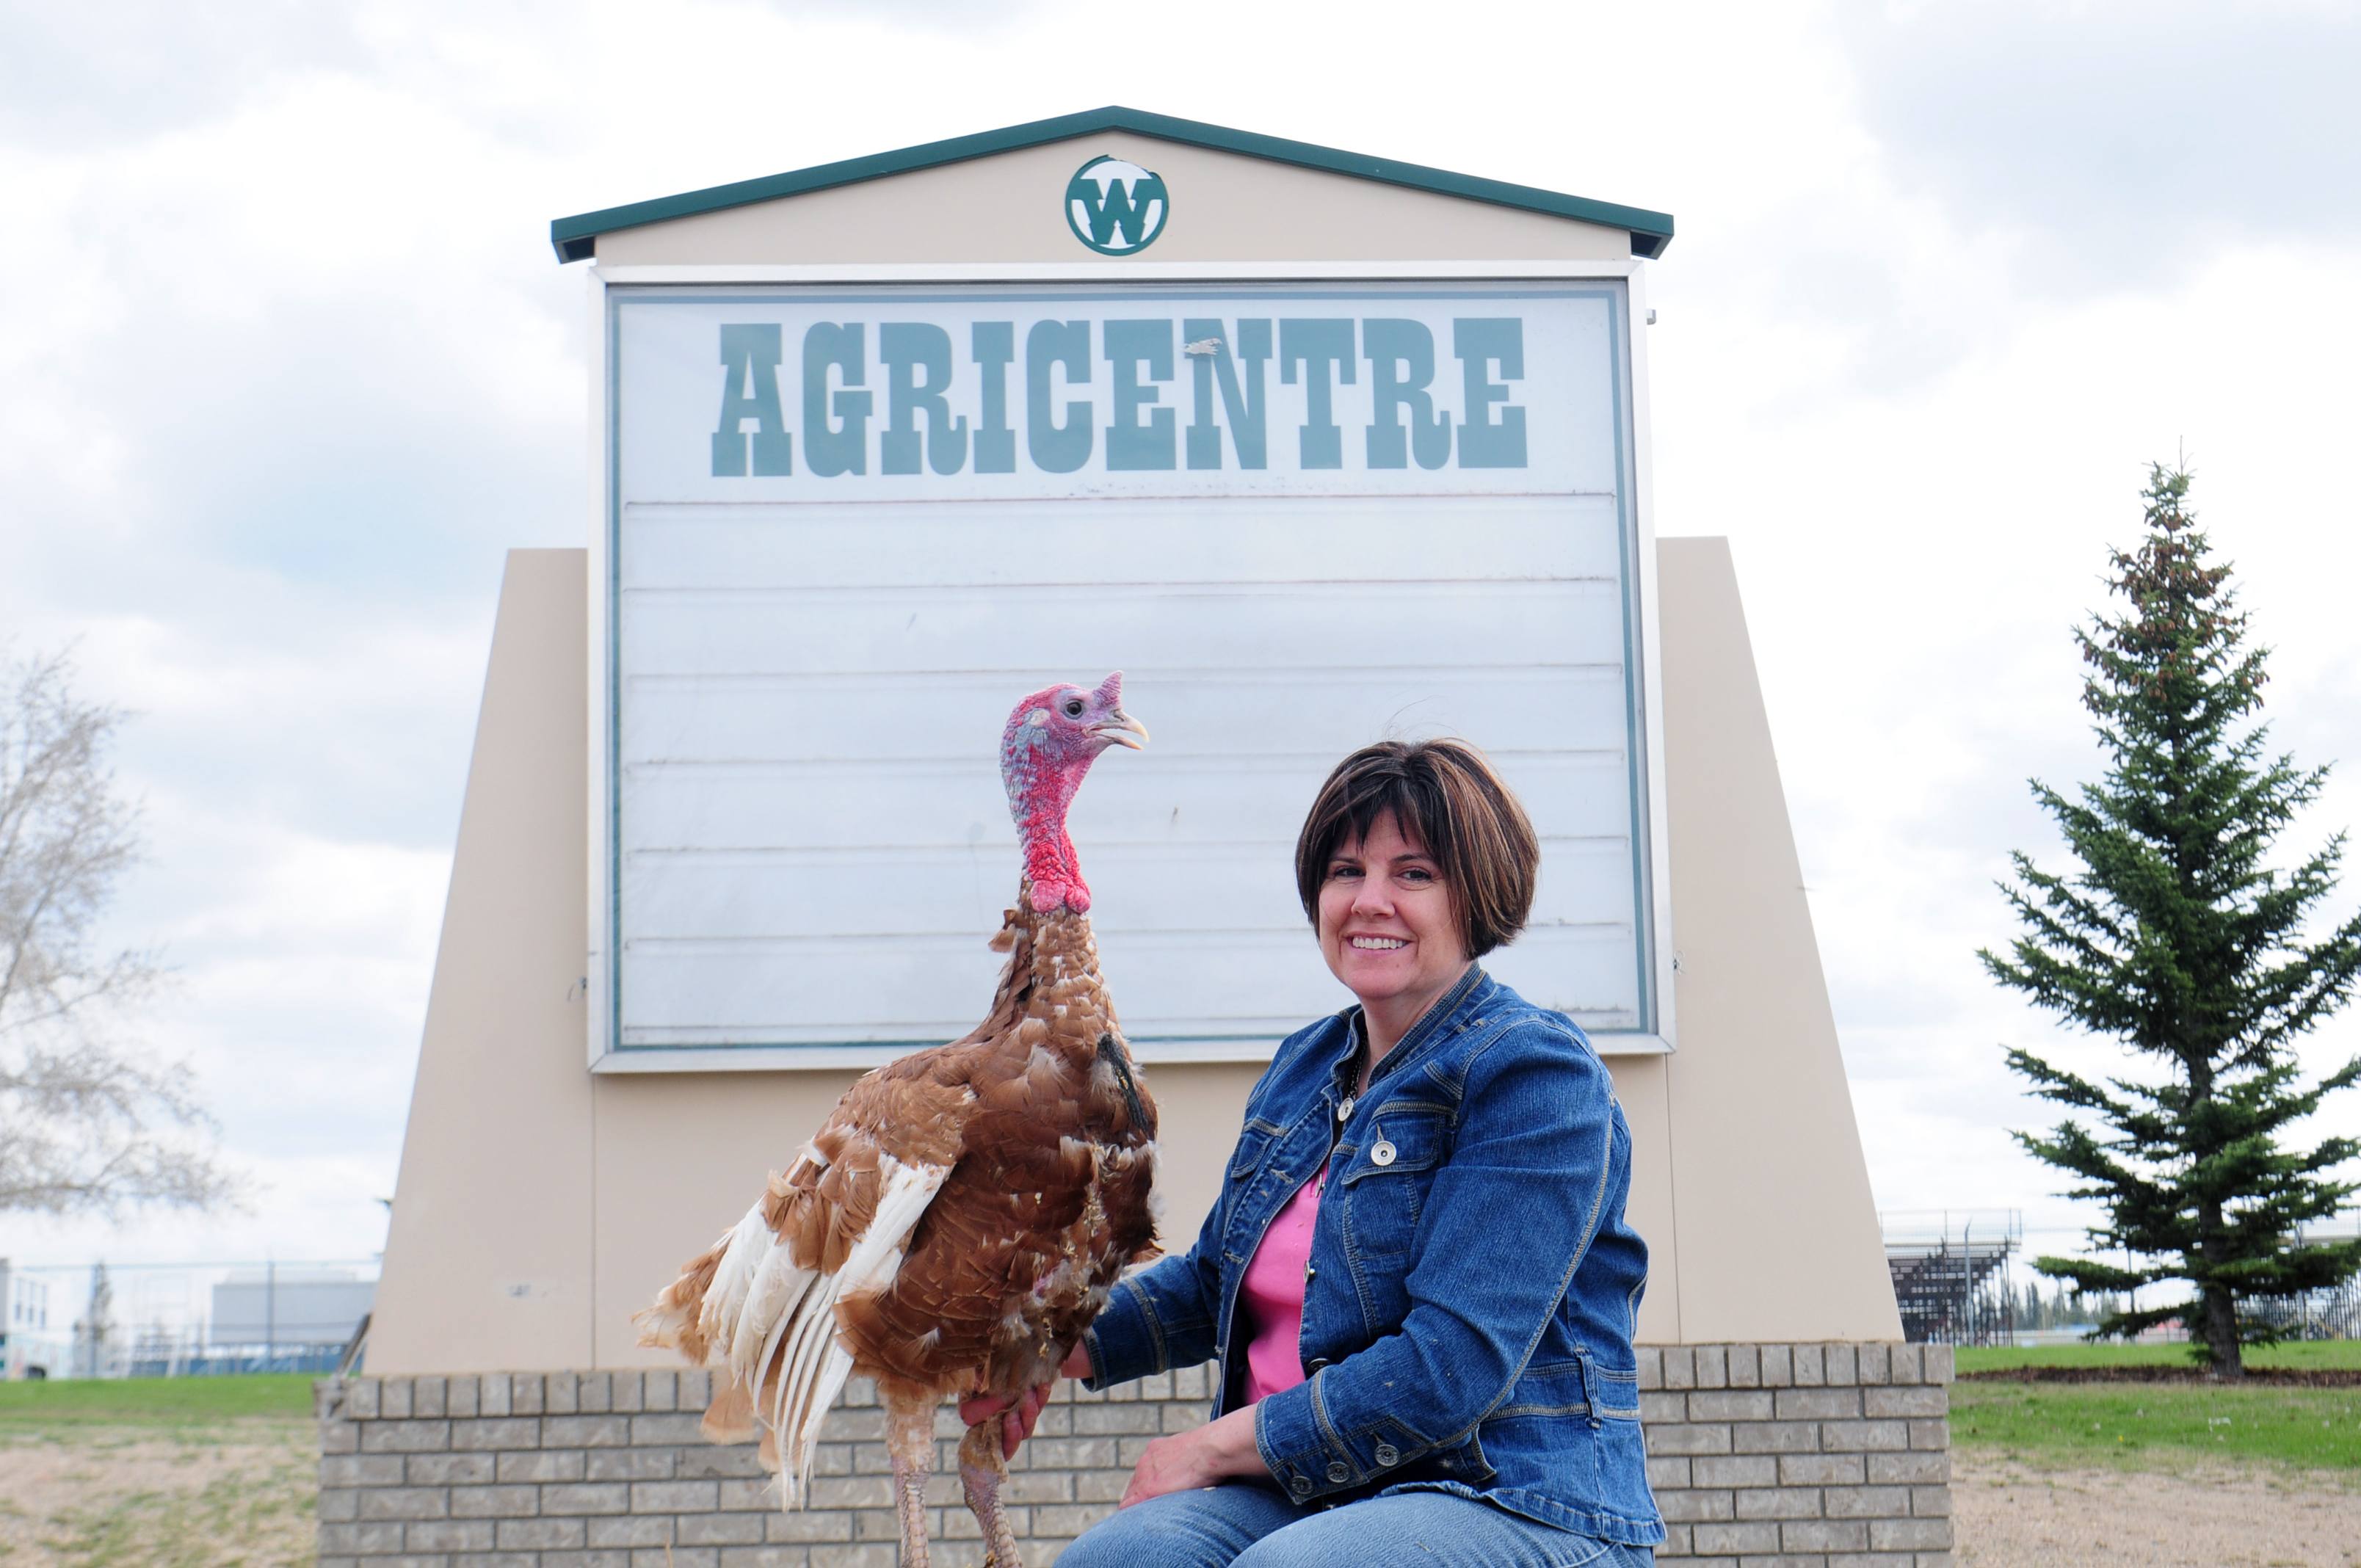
{"x":1417,"y":1281}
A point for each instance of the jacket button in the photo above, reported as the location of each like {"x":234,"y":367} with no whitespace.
{"x":1337,"y":1473}
{"x":1388,"y":1453}
{"x":1381,"y":1152}
{"x":1307,"y":1272}
{"x":1317,"y":1363}
{"x":1299,"y":1486}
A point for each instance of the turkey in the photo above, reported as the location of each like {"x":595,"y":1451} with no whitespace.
{"x":958,"y":1222}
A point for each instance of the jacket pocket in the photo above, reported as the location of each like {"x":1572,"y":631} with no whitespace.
{"x":1386,"y":1182}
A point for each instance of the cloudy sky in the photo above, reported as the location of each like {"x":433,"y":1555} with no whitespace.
{"x":286,"y":365}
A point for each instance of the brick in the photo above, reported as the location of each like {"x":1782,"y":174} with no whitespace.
{"x":594,"y":1393}
{"x":428,"y":1396}
{"x":676,"y":1497}
{"x":412,"y":1560}
{"x":589,"y":1432}
{"x":1180,"y":1417}
{"x":696,"y":1391}
{"x":1916,"y":1469}
{"x":808,"y":1526}
{"x":586,"y":1498}
{"x":652,"y":1530}
{"x":1729,"y":1540}
{"x":1869,"y":1503}
{"x":1676,"y":1543}
{"x":538,"y":1464}
{"x":495,"y":1502}
{"x":1039,"y":1486}
{"x":394,"y":1400}
{"x":1101,"y":1421}
{"x":406,"y":1437}
{"x":1193,"y":1383}
{"x":1819,"y":1404}
{"x":1680,"y":1367}
{"x":1810,"y":1366}
{"x":1823,"y":1535}
{"x":745,"y":1496}
{"x":450,"y":1535}
{"x":1821,"y":1470}
{"x":361,"y":1398}
{"x":524,"y":1393}
{"x":462,"y":1396}
{"x":1659,"y":1409}
{"x":1905,"y":1363}
{"x":1931,"y":1502}
{"x":339,"y":1437}
{"x":683,"y":1557}
{"x":1689,"y":1439}
{"x":1712,"y":1361}
{"x":1858,"y":1437}
{"x":1871,"y":1361}
{"x":630,"y":1392}
{"x":361,"y":1538}
{"x":1733,"y":1405}
{"x":1929,"y":1435}
{"x":1778,"y":1503}
{"x":686,"y":1427}
{"x":1065,"y":1519}
{"x":641,"y":1464}
{"x":448,"y":1469}
{"x":1745,"y":1366}
{"x":492,"y":1395}
{"x":1747,"y":1470}
{"x":1652,"y":1368}
{"x":875,"y":1555}
{"x":1937,"y":1360}
{"x":660,"y":1391}
{"x":585,"y":1560}
{"x":493,"y":1560}
{"x":1910,"y":1535}
{"x":1076,"y":1453}
{"x":1697,"y":1504}
{"x":1922,"y":1399}
{"x":538,"y":1535}
{"x":1107,"y":1485}
{"x":1663,"y":1473}
{"x":338,"y":1505}
{"x":1840,"y":1363}
{"x":720,"y":1530}
{"x":1775,"y":1437}
{"x":1778,"y":1363}
{"x":361,"y":1470}
{"x":557,"y":1393}
{"x":486,"y":1434}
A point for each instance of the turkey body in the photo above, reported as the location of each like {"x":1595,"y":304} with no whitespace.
{"x":952,"y":1228}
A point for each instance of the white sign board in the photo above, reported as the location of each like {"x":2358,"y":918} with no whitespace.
{"x":850,"y":526}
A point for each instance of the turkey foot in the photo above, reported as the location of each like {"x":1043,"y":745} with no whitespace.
{"x":981,"y":1470}
{"x":910,"y":1441}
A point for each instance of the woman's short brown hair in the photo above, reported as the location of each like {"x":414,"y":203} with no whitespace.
{"x":1445,"y":795}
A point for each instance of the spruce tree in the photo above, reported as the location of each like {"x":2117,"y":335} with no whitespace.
{"x":2177,"y":938}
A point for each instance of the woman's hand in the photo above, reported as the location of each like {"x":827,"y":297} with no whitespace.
{"x":1026,"y":1408}
{"x":1188,"y":1459}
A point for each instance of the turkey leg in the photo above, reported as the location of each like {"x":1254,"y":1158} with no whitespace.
{"x":910,"y":1441}
{"x":981,"y":1470}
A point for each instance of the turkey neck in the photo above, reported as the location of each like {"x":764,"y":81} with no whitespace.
{"x":1057,"y":1000}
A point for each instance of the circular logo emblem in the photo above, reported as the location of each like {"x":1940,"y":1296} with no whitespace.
{"x":1115,"y":207}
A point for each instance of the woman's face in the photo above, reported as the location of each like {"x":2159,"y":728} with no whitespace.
{"x":1386,"y":926}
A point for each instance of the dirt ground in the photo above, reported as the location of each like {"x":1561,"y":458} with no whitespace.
{"x":236,"y":1495}
{"x":2004,"y":1515}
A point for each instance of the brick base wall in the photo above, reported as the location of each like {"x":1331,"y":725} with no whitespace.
{"x":1811,"y":1455}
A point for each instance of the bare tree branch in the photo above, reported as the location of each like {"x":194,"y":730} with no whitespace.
{"x":89,"y":1122}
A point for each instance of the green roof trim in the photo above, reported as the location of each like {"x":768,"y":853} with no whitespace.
{"x":576,"y":239}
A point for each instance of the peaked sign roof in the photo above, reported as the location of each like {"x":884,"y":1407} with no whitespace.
{"x":576,"y":239}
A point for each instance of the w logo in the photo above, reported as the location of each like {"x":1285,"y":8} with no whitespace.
{"x":1115,"y":207}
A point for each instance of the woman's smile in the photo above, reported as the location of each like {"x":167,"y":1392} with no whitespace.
{"x":1389,"y":928}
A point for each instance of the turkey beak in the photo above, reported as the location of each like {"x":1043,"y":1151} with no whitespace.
{"x":1123,"y":730}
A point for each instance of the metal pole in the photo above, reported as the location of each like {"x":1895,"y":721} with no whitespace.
{"x":270,"y":1312}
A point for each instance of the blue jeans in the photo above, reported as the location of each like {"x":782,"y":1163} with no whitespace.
{"x":1249,"y":1525}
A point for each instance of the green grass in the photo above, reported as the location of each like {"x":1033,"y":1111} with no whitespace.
{"x":2161,"y":1425}
{"x":2314,"y":1355}
{"x":174,"y":1402}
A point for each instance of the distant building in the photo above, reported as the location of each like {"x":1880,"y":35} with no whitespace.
{"x":288,"y":1309}
{"x":29,"y":1345}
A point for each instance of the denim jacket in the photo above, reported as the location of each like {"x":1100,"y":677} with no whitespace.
{"x":1469,"y":1305}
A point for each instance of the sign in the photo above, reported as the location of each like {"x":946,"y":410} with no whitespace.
{"x":1116,"y":208}
{"x":850,"y":526}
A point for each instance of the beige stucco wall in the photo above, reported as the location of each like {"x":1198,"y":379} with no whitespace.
{"x":1010,"y":207}
{"x":538,"y":1207}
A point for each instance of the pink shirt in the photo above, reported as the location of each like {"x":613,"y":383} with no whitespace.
{"x":1272,"y":1295}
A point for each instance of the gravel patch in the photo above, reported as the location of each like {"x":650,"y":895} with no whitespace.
{"x":2006,"y":1515}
